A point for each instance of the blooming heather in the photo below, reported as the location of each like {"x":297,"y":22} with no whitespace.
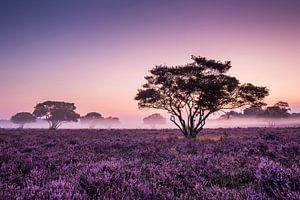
{"x":253,"y":163}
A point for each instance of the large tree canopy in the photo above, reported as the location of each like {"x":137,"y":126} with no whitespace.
{"x":22,"y":118}
{"x":56,"y":112}
{"x":192,"y":92}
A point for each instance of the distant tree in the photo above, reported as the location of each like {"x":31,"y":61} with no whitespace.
{"x":198,"y":89}
{"x":278,"y":110}
{"x":92,"y":119}
{"x":111,"y":121}
{"x":22,"y":118}
{"x":284,"y":106}
{"x":154,"y":119}
{"x":253,"y":111}
{"x":56,"y":112}
{"x":231,"y":114}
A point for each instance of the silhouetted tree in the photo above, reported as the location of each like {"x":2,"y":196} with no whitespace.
{"x":22,"y":118}
{"x":154,"y":119}
{"x":56,"y":112}
{"x":253,"y":111}
{"x":279,"y":110}
{"x":111,"y":121}
{"x":92,"y":119}
{"x":284,"y":106}
{"x":198,"y":89}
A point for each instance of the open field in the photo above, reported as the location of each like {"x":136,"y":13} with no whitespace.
{"x":252,"y":163}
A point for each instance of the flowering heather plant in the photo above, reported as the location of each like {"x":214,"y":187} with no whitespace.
{"x":277,"y":181}
{"x":253,"y":163}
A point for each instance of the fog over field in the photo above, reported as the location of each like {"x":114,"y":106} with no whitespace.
{"x":135,"y":123}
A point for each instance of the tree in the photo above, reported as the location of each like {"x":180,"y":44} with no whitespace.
{"x":154,"y":120}
{"x":191,"y":93}
{"x":284,"y":106}
{"x":253,"y":111}
{"x":56,"y":112}
{"x":110,"y":121}
{"x":278,"y":110}
{"x":92,"y":119}
{"x":22,"y":118}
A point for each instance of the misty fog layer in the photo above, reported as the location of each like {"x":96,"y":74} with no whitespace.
{"x":134,"y":123}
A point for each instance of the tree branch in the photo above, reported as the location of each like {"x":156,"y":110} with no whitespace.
{"x":172,"y":118}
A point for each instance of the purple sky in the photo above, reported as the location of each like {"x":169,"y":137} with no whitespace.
{"x":96,"y":53}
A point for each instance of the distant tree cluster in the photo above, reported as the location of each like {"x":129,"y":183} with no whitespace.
{"x":58,"y":112}
{"x":280,"y":109}
{"x":94,"y":119}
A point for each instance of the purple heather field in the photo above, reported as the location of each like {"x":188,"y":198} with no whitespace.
{"x":237,"y":163}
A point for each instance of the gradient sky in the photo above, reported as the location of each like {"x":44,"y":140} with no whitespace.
{"x":96,"y":53}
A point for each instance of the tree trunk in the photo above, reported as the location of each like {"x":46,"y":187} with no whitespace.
{"x":91,"y":126}
{"x":189,"y":131}
{"x":21,"y":126}
{"x":192,"y":133}
{"x":53,"y":125}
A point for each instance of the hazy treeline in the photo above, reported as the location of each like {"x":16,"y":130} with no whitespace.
{"x":53,"y":114}
{"x":280,"y":110}
{"x":278,"y":115}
